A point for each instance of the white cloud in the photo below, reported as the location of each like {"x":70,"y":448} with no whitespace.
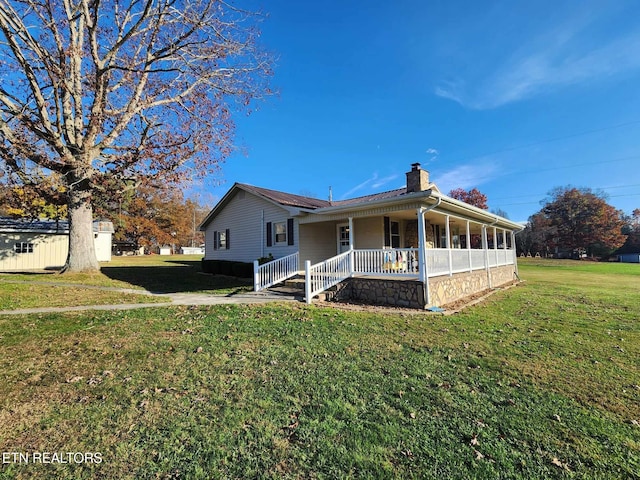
{"x":374,"y":182}
{"x":567,"y":53}
{"x":433,"y":154}
{"x":466,"y":176}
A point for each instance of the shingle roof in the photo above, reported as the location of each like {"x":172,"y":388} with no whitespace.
{"x":370,"y":198}
{"x":47,"y":226}
{"x":300,"y":201}
{"x":288,"y":199}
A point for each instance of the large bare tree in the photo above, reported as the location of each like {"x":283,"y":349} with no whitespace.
{"x":108,"y":92}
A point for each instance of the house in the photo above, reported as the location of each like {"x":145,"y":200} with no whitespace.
{"x":43,"y":244}
{"x":411,"y":247}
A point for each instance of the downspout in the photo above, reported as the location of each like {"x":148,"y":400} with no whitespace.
{"x":262,"y":236}
{"x":422,"y":251}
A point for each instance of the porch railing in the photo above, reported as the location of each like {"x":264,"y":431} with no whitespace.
{"x":273,"y":272}
{"x":396,"y":261}
{"x":324,"y":275}
{"x":399,"y":262}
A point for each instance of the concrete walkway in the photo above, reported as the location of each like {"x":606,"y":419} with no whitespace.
{"x":173,"y":299}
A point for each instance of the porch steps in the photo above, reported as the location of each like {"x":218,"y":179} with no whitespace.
{"x":294,"y":286}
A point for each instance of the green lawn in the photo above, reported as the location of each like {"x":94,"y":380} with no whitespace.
{"x":155,"y":273}
{"x":33,"y":295}
{"x":540,"y":381}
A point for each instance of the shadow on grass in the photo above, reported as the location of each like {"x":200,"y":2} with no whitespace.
{"x":181,"y":276}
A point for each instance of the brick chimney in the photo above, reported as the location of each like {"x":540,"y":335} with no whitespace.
{"x":417,"y":179}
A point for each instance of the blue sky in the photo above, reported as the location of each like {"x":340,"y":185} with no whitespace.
{"x":510,"y":97}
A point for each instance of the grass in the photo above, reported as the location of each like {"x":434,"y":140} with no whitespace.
{"x":154,"y":273}
{"x":540,"y":381}
{"x":18,"y":296}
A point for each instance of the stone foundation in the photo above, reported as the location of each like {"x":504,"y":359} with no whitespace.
{"x":410,"y":293}
{"x":382,"y":291}
{"x":443,"y":290}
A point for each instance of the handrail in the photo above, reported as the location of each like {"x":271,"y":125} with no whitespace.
{"x":275,"y":271}
{"x":324,"y":275}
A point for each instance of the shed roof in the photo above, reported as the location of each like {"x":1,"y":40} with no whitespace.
{"x":13,"y":225}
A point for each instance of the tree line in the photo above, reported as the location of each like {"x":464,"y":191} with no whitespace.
{"x":147,"y":216}
{"x":572,"y":223}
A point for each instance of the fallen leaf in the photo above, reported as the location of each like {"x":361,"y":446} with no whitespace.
{"x":474,"y":441}
{"x":556,"y":417}
{"x":479,"y":455}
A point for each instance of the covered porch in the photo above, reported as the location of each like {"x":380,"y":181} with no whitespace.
{"x":416,"y":253}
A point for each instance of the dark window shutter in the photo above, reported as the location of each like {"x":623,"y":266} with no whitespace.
{"x":290,"y":231}
{"x":269,"y":238}
{"x":215,"y":240}
{"x":227,"y":235}
{"x":387,"y":232}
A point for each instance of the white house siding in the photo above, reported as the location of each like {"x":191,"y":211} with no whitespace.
{"x":49,"y":251}
{"x":243,"y":217}
{"x":368,"y":232}
{"x":318,"y":241}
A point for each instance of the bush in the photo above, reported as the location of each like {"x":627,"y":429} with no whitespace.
{"x":207,"y":265}
{"x":243,"y":270}
{"x":228,"y":267}
{"x":263,"y":260}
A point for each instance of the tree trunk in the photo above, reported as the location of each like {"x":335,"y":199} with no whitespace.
{"x":82,"y":251}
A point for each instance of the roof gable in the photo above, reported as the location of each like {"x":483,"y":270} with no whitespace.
{"x":285,"y":199}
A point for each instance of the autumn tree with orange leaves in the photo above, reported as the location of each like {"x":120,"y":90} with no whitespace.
{"x":473,"y":197}
{"x":576,"y":220}
{"x":109,"y":94}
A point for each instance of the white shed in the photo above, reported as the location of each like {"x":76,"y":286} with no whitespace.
{"x":44,"y":244}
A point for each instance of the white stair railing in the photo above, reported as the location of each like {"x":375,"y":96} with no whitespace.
{"x":324,"y":275}
{"x":275,"y":271}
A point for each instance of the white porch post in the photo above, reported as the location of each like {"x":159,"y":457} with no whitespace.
{"x":495,"y":245}
{"x":469,"y":246}
{"x":256,"y":279}
{"x":515,"y":252}
{"x":352,"y":266}
{"x":485,"y":247}
{"x":422,"y":254}
{"x":307,"y":281}
{"x":448,"y":244}
{"x":351,"y":233}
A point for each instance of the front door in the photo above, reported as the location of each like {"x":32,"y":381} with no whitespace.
{"x":343,"y":237}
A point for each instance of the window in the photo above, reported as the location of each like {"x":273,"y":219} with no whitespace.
{"x":391,"y":233}
{"x":280,"y":233}
{"x":221,"y":240}
{"x":23,"y":247}
{"x":395,"y":234}
{"x":280,"y":230}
